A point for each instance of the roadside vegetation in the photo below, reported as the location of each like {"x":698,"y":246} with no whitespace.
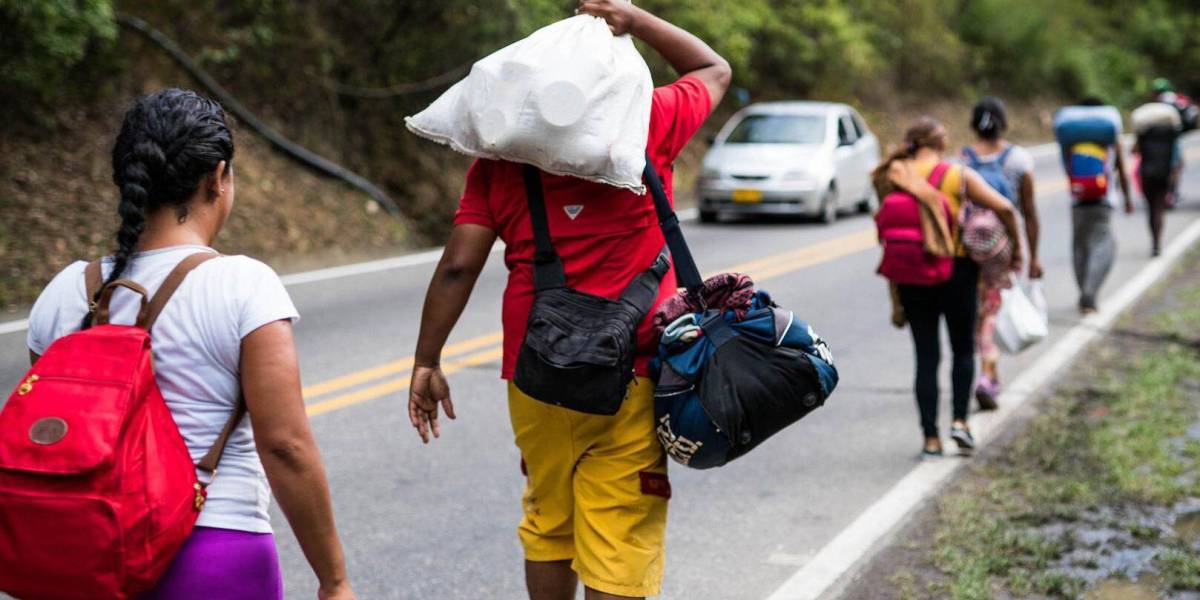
{"x":338,"y":77}
{"x":1097,"y":497}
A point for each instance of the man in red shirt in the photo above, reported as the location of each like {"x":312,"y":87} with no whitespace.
{"x":596,"y":493}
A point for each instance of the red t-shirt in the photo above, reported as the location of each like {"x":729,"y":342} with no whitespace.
{"x":614,"y":235}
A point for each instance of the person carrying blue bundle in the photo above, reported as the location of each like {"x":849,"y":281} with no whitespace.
{"x":1089,"y":135}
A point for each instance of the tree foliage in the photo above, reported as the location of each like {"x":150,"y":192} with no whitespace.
{"x":43,"y":40}
{"x":1021,"y":48}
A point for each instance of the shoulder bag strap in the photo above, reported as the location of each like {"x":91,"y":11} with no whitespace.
{"x":547,"y":267}
{"x":548,"y":270}
{"x":668,"y":221}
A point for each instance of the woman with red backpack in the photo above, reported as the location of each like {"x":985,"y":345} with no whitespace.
{"x":919,"y":171}
{"x":221,"y":345}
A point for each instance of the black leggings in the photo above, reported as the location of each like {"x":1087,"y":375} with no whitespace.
{"x":1156,"y":191}
{"x":924,"y":305}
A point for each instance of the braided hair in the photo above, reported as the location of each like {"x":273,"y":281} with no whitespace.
{"x":169,"y":141}
{"x":989,"y":119}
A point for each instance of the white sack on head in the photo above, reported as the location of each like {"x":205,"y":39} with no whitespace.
{"x":1156,"y":114}
{"x":571,"y":99}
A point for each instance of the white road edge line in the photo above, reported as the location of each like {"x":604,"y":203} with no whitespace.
{"x":834,"y":567}
{"x":14,"y":326}
{"x":363,"y":268}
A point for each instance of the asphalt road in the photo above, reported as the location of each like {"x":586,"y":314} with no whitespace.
{"x":438,"y":522}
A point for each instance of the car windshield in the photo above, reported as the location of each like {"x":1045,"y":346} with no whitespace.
{"x":778,"y":129}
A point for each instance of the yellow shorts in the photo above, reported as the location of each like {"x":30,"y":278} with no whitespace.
{"x":596,"y":490}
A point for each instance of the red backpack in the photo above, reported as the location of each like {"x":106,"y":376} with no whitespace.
{"x":898,"y":222}
{"x":97,"y":489}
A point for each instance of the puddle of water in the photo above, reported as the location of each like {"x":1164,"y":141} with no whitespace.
{"x":1187,"y":527}
{"x":1114,"y":589}
{"x":1193,"y":432}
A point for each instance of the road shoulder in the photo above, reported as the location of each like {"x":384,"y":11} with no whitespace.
{"x":1095,"y":494}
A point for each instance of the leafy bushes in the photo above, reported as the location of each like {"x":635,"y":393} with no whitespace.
{"x":44,"y":39}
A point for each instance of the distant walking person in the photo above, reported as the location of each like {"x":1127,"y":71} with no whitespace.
{"x":226,"y":334}
{"x":595,"y":503}
{"x":1159,"y":163}
{"x":1090,"y":137}
{"x":1009,"y":170}
{"x":1189,"y":119}
{"x":919,"y":168}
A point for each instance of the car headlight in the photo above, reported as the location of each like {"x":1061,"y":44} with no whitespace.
{"x":797,"y":176}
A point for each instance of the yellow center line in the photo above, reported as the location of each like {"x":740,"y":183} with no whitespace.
{"x":397,"y":366}
{"x":400,"y":384}
{"x":818,"y":253}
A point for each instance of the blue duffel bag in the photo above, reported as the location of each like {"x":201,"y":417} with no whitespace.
{"x":1087,"y":124}
{"x":726,"y":379}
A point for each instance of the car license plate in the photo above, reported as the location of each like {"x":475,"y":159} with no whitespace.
{"x":747,"y":196}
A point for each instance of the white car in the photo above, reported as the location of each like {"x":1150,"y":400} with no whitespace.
{"x":795,"y":158}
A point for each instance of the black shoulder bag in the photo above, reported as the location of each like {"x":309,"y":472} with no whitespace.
{"x":579,"y":348}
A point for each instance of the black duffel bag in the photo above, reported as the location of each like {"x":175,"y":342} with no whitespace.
{"x":733,"y":368}
{"x":579,"y":348}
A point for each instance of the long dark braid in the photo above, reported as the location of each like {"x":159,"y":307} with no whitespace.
{"x":169,"y":142}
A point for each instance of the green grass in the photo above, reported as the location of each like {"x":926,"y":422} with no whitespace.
{"x":1180,"y":568}
{"x":1113,"y":435}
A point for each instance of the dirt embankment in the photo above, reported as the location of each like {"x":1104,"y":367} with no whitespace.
{"x":57,"y":199}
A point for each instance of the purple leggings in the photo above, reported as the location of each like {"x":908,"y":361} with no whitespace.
{"x":222,"y":564}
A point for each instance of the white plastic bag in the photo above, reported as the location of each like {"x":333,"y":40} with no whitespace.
{"x":571,"y":99}
{"x":1022,"y":320}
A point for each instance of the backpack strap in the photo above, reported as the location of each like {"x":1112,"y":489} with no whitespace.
{"x":1003,"y":158}
{"x":212,"y":458}
{"x":93,"y":280}
{"x":971,"y":156}
{"x":938,"y":175}
{"x":170,"y":284}
{"x":101,"y":313}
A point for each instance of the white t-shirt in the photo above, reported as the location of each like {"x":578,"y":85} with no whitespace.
{"x":197,"y":351}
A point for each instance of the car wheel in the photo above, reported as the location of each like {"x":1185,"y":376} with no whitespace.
{"x":708,"y":216}
{"x":870,"y":204}
{"x":829,"y":206}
